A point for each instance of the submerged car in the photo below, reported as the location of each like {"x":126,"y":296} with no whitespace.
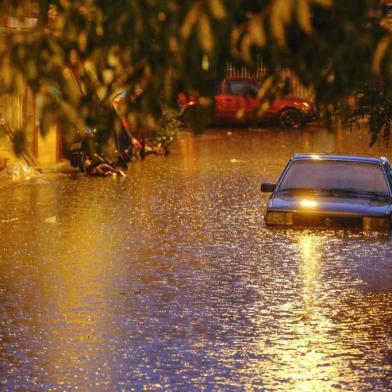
{"x":331,"y":190}
{"x":237,"y":103}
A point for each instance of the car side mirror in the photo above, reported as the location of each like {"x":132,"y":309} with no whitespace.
{"x":267,"y":187}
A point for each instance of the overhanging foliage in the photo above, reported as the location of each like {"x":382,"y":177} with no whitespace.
{"x":83,"y":51}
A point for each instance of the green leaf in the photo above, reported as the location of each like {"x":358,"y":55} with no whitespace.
{"x":235,"y":39}
{"x":190,"y":20}
{"x":245,"y":49}
{"x":82,"y":41}
{"x":217,"y":8}
{"x":257,"y":31}
{"x":205,"y":36}
{"x":280,"y":15}
{"x":265,"y":87}
{"x":7,"y":72}
{"x":380,"y":53}
{"x":304,"y":15}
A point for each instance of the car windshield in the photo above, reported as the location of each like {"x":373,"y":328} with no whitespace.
{"x":338,"y":176}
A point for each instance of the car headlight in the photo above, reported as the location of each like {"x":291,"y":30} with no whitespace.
{"x":280,"y":218}
{"x":375,"y":223}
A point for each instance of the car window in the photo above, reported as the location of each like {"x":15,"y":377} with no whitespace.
{"x":242,"y":87}
{"x":340,"y":175}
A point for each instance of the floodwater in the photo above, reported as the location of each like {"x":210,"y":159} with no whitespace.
{"x":169,"y":280}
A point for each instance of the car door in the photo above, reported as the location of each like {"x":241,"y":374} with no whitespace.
{"x":226,"y":104}
{"x":237,"y":102}
{"x":249,"y":101}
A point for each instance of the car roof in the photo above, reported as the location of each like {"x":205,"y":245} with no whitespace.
{"x":340,"y":157}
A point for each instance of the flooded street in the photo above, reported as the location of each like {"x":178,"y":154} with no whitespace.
{"x":168,"y":279}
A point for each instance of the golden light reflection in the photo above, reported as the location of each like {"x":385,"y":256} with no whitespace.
{"x":315,"y":156}
{"x":189,"y":148}
{"x":301,"y":349}
{"x":307,"y":360}
{"x":75,"y":297}
{"x":309,"y":248}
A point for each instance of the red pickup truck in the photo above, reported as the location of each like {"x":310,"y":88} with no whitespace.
{"x":236,"y":103}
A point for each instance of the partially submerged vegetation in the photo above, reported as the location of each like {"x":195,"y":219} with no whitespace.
{"x":374,"y":106}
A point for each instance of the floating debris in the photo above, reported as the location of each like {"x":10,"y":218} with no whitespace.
{"x":9,"y":220}
{"x":20,"y":171}
{"x":51,"y":219}
{"x":233,"y":160}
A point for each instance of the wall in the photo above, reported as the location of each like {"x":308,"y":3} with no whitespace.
{"x":47,"y":147}
{"x":19,"y":112}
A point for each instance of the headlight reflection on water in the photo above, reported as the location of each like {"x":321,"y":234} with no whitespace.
{"x":316,"y":368}
{"x":306,"y":359}
{"x":302,"y":352}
